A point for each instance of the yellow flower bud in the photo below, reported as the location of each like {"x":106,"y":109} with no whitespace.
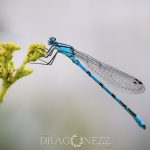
{"x":2,"y":50}
{"x":27,"y":71}
{"x":35,"y":51}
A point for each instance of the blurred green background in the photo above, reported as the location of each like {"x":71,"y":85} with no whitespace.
{"x":61,"y":100}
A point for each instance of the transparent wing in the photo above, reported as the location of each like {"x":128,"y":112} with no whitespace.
{"x":111,"y":75}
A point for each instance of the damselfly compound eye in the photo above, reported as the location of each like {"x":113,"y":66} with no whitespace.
{"x":51,"y":40}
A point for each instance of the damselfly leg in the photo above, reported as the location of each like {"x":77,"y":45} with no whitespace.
{"x":48,"y":53}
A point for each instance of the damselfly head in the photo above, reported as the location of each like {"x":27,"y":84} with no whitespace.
{"x":51,"y":40}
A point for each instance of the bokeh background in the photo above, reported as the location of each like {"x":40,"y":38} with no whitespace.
{"x":61,"y":100}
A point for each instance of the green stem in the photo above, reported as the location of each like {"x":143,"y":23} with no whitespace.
{"x":3,"y":90}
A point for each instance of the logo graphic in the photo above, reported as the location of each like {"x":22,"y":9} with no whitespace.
{"x":74,"y":138}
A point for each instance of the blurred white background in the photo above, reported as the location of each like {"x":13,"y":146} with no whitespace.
{"x":61,"y":100}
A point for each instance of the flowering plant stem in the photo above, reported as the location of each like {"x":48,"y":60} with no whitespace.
{"x":8,"y":73}
{"x":6,"y":84}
